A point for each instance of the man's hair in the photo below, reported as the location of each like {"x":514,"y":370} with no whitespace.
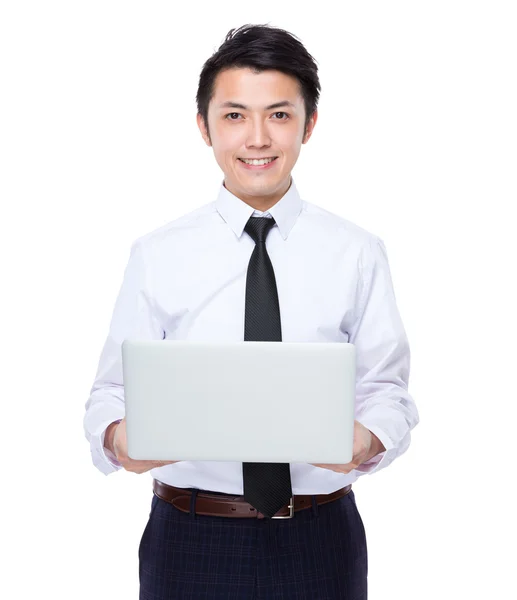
{"x":261,"y":48}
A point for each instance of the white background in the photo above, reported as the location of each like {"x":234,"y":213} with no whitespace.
{"x":415,"y":141}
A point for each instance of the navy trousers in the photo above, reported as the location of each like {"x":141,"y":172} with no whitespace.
{"x":319,"y":554}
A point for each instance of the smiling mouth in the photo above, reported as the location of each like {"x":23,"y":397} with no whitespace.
{"x":258,"y":162}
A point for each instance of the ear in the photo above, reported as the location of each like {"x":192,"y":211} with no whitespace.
{"x":202,"y":129}
{"x":310,"y":126}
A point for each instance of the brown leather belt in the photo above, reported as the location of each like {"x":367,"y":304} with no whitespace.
{"x":222,"y":505}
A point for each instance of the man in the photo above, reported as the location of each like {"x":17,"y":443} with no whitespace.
{"x":213,"y":529}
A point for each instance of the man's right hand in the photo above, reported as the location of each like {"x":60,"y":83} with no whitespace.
{"x":116,"y":441}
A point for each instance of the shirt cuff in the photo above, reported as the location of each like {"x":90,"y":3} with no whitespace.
{"x":376,"y":462}
{"x":103,"y":458}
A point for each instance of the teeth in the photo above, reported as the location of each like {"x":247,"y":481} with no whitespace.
{"x":257,"y":162}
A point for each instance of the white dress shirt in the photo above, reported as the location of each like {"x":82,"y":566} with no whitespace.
{"x":186,"y":281}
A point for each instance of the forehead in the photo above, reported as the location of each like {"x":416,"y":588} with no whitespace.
{"x":255,"y":90}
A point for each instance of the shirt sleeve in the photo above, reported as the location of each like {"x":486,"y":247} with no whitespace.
{"x":383,"y":404}
{"x":133,"y":318}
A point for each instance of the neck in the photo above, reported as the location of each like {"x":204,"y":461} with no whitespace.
{"x":261,"y":203}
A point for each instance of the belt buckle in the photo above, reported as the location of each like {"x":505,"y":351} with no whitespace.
{"x":291,"y":511}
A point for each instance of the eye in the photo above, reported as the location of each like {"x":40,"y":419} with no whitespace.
{"x":277,"y":113}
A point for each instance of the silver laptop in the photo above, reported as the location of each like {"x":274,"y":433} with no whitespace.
{"x":239,"y":401}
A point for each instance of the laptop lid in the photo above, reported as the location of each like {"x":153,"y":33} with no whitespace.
{"x":239,"y":401}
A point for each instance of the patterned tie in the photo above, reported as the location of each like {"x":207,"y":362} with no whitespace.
{"x":267,"y":486}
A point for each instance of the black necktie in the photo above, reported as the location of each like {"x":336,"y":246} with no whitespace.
{"x":267,"y":486}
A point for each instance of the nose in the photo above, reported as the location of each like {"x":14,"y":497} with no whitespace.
{"x":258,"y":135}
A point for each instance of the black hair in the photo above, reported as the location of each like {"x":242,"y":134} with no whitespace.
{"x":261,"y":48}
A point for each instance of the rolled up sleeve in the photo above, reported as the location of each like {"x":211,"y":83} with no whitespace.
{"x":133,"y":318}
{"x":383,"y":404}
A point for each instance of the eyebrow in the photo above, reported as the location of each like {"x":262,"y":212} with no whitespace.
{"x":230,"y":104}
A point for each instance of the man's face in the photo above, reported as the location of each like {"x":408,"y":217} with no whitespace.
{"x":256,"y":132}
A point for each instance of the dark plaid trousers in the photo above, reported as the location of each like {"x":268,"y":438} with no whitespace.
{"x":319,"y":554}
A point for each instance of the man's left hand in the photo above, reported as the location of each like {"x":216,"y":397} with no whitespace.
{"x":366,"y":446}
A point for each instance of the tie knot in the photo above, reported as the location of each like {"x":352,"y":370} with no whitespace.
{"x":258,"y":228}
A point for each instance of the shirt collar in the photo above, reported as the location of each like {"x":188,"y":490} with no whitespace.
{"x":237,"y":213}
